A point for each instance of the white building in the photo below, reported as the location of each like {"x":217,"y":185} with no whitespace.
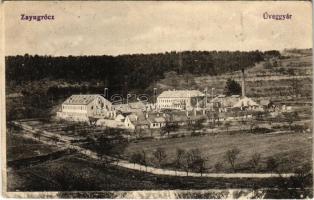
{"x":247,"y":104}
{"x":179,"y":99}
{"x":81,"y":107}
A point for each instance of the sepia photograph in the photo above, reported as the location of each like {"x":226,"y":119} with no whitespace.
{"x":157,"y":99}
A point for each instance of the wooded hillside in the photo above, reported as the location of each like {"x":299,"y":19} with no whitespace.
{"x":128,"y":71}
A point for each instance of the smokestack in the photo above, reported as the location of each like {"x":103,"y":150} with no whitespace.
{"x":243,"y":83}
{"x":155,"y":95}
{"x":106,"y":93}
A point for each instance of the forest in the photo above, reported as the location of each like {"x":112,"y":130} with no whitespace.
{"x":131,"y":71}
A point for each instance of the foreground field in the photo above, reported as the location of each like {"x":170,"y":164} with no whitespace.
{"x":19,"y":147}
{"x":291,"y":150}
{"x":78,"y":173}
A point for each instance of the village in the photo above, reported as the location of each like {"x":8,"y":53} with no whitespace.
{"x":171,"y":108}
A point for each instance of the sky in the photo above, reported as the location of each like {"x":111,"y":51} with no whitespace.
{"x":115,"y":28}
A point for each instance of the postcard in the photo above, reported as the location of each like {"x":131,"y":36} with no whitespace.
{"x":157,"y":99}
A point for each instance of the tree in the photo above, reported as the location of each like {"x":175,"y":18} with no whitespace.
{"x":170,"y":126}
{"x":295,"y":84}
{"x":102,"y":150}
{"x":194,"y":161}
{"x":303,"y":177}
{"x":268,"y":65}
{"x":291,"y":117}
{"x":199,"y":165}
{"x":37,"y":135}
{"x":231,"y":156}
{"x":232,"y":88}
{"x":252,"y":125}
{"x":255,"y":160}
{"x":218,"y":166}
{"x":136,"y":158}
{"x":160,"y":155}
{"x":143,"y":159}
{"x":272,"y":164}
{"x":55,"y":139}
{"x":180,"y":154}
{"x":227,"y":124}
{"x":198,"y":124}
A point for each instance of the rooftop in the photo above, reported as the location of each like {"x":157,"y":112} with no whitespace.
{"x":245,"y":102}
{"x":82,"y":99}
{"x":180,"y":94}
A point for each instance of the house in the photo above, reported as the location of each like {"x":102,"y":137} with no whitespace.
{"x":179,"y":99}
{"x":246,"y":103}
{"x":132,"y":107}
{"x":156,"y":121}
{"x":266,"y":104}
{"x":82,"y":107}
{"x":119,"y":118}
{"x":136,"y":121}
{"x":145,"y":121}
{"x":130,"y":121}
{"x":222,"y":102}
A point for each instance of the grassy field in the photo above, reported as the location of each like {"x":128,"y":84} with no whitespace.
{"x":19,"y":147}
{"x":292,"y":150}
{"x":78,"y":173}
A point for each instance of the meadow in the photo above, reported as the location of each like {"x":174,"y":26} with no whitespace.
{"x":292,"y":150}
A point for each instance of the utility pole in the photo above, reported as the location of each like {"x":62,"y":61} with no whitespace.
{"x":205,"y":103}
{"x":213,"y":93}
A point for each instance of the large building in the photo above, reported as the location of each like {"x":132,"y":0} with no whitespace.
{"x":179,"y":99}
{"x":81,"y":107}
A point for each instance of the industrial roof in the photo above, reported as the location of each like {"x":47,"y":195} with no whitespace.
{"x":245,"y":102}
{"x":82,"y":99}
{"x":180,"y":94}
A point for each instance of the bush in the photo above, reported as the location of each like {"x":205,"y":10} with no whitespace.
{"x":259,"y":130}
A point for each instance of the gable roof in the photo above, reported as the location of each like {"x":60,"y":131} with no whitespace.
{"x":265,"y":102}
{"x":130,"y":106}
{"x":245,"y":102}
{"x":154,"y":119}
{"x":83,"y":99}
{"x":138,"y":119}
{"x":180,"y":94}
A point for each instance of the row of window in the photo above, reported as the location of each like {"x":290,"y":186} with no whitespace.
{"x":74,"y":114}
{"x":171,"y":106}
{"x":171,"y":100}
{"x":73,"y":107}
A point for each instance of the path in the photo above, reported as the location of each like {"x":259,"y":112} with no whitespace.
{"x":148,"y":169}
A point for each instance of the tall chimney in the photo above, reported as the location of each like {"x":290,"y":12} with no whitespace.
{"x":243,"y":83}
{"x":106,"y":93}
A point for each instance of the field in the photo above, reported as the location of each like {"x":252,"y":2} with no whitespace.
{"x":78,"y":173}
{"x":292,"y":150}
{"x":17,"y":145}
